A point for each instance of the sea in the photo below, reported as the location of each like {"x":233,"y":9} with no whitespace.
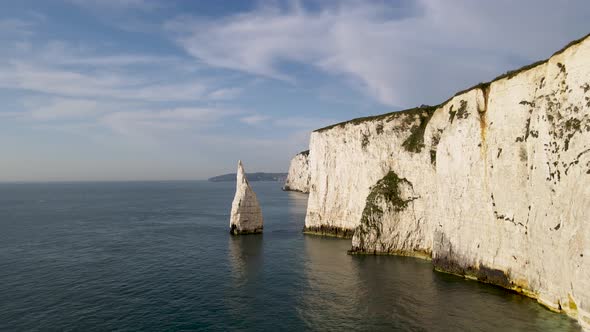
{"x":158,"y":256}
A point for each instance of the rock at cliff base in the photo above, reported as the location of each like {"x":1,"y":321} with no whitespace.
{"x":246,"y":215}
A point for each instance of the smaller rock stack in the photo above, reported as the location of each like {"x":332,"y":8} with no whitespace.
{"x":299,"y":176}
{"x":246,"y":215}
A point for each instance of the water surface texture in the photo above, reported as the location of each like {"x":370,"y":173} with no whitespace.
{"x":158,"y":256}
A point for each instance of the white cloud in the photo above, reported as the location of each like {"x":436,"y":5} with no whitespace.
{"x":148,"y":122}
{"x":400,"y":56}
{"x":57,"y":52}
{"x":254,"y":119}
{"x":254,"y":40}
{"x":10,"y":114}
{"x":62,"y":108}
{"x":303,"y":122}
{"x":78,"y":71}
{"x":118,"y":4}
{"x":16,"y":26}
{"x":124,"y":118}
{"x":76,"y":83}
{"x":225,"y":93}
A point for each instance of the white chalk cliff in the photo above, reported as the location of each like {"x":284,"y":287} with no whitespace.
{"x":298,"y":177}
{"x":493,"y":184}
{"x":246,"y":215}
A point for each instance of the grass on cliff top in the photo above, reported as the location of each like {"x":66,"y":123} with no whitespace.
{"x":304,"y":153}
{"x":484,"y":85}
{"x":386,"y":116}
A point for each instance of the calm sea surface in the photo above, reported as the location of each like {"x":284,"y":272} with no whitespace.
{"x":158,"y":256}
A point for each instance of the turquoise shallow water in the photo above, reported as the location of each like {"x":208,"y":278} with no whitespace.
{"x":158,"y":256}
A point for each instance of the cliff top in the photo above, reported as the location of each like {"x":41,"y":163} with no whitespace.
{"x":417,"y":110}
{"x":386,"y":116}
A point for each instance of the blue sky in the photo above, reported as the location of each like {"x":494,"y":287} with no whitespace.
{"x":164,"y":90}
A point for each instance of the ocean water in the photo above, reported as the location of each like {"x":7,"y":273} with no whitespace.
{"x":158,"y":256}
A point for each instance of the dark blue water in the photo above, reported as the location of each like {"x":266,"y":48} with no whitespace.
{"x":158,"y":256}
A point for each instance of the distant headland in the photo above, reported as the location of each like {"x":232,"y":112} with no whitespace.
{"x":252,"y":177}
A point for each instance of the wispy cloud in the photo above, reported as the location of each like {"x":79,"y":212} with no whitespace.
{"x":62,"y":53}
{"x":397,"y":55}
{"x":16,"y":27}
{"x":61,"y":108}
{"x":82,"y":75}
{"x":306,"y":123}
{"x":132,"y":120}
{"x":254,"y":119}
{"x":73,"y":83}
{"x":224,"y":93}
{"x":147,"y":122}
{"x":119,"y":4}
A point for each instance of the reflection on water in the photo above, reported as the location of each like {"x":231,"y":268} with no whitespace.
{"x":331,"y":296}
{"x":403,"y":293}
{"x":397,"y":281}
{"x":245,"y":256}
{"x":246,"y":263}
{"x":361,"y":292}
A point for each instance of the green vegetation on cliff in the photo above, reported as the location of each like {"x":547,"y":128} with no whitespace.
{"x":387,"y":189}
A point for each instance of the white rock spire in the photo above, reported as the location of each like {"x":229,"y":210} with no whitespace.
{"x":246,"y":215}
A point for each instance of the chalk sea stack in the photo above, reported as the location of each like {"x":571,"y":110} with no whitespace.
{"x":246,"y":215}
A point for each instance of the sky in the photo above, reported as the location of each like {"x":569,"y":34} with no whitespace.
{"x":108,"y":90}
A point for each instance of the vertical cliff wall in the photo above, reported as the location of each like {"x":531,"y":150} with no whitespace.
{"x":299,"y":176}
{"x":493,"y":184}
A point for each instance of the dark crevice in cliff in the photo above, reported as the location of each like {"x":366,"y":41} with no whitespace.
{"x":504,"y":217}
{"x":289,"y":188}
{"x":462,"y":111}
{"x":415,"y":142}
{"x":452,"y":113}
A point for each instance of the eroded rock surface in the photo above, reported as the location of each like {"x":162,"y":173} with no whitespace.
{"x":246,"y":215}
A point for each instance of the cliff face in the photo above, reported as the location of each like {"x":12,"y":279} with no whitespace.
{"x":493,"y":184}
{"x":298,"y":177}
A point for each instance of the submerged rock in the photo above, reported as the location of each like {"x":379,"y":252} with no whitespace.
{"x":246,"y":215}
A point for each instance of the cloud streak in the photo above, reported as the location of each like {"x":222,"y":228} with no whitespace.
{"x":118,"y":4}
{"x":148,"y":122}
{"x":61,"y":108}
{"x":423,"y":55}
{"x":98,"y":77}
